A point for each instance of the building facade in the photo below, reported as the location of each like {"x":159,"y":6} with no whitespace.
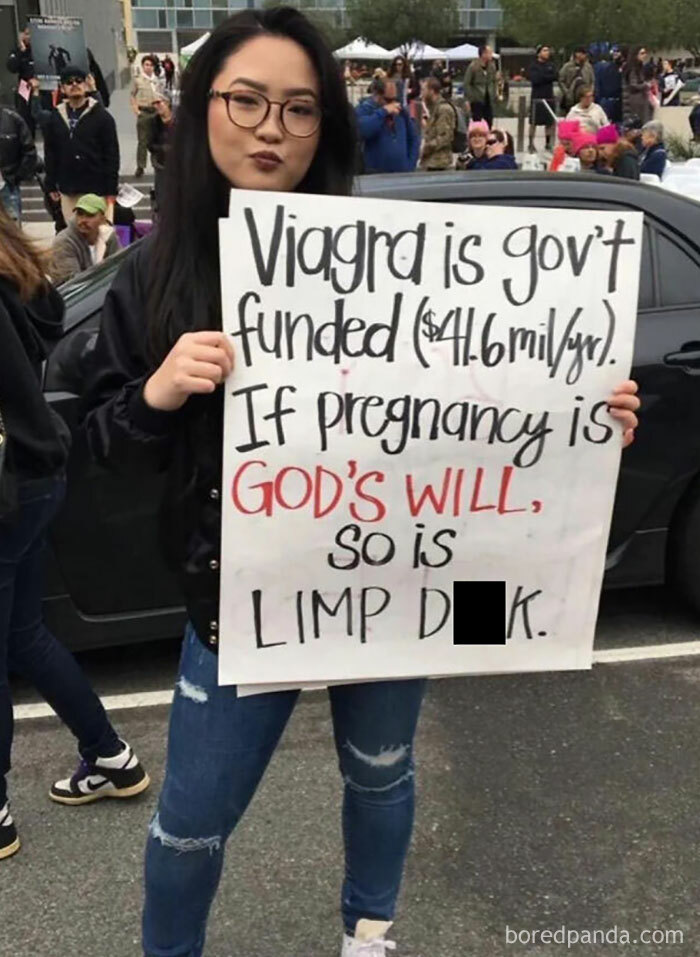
{"x":161,"y":26}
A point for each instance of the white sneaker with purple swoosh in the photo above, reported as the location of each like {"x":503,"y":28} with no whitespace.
{"x":121,"y":776}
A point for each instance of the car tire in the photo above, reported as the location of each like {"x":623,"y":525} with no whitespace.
{"x":683,"y":556}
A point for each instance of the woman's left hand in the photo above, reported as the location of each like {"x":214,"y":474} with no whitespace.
{"x":624,"y":403}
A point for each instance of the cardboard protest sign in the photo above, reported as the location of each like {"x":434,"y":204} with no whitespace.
{"x":419,"y":465}
{"x":57,"y":42}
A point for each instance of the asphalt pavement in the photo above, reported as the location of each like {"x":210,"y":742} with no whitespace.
{"x":562,"y":802}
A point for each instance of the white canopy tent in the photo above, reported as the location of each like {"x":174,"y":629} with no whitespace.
{"x":419,"y":51}
{"x":467,"y":51}
{"x":359,"y":49}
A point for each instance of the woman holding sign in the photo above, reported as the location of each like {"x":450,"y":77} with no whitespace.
{"x":263,"y":107}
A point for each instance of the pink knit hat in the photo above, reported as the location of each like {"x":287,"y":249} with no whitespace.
{"x":479,"y":126}
{"x":567,"y":129}
{"x":581,"y":140}
{"x":607,"y":134}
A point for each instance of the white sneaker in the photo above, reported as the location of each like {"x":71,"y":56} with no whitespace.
{"x":121,"y":776}
{"x":368,"y":940}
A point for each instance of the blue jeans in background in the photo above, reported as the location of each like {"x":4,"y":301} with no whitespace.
{"x":218,"y":748}
{"x":11,"y":199}
{"x":26,"y":645}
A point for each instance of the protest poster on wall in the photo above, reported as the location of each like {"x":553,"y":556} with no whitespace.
{"x":57,"y":42}
{"x":419,"y":465}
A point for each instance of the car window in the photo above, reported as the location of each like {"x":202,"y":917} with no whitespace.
{"x":65,"y":367}
{"x":679,"y":275}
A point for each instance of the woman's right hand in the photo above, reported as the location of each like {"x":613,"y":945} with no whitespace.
{"x":196,"y":364}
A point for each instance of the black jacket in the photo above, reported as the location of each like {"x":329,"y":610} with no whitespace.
{"x":86,"y":161}
{"x":21,"y":62}
{"x":18,"y":158}
{"x":543,"y":76}
{"x":125,"y":434}
{"x":37,"y":444}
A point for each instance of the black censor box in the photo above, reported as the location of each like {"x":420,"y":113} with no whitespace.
{"x":478,"y":613}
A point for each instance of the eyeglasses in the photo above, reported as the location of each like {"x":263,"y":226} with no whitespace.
{"x":73,"y":81}
{"x":248,"y":110}
{"x":492,"y":142}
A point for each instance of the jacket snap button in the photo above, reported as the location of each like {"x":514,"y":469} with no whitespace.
{"x":214,"y":494}
{"x":214,"y":625}
{"x":213,"y":639}
{"x":213,"y":564}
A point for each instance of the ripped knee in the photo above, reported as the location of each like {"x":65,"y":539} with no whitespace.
{"x":189,"y":690}
{"x":377,"y":772}
{"x":183,"y":844}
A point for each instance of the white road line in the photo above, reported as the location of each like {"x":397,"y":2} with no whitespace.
{"x":149,"y":699}
{"x":117,"y":702}
{"x":681,"y":649}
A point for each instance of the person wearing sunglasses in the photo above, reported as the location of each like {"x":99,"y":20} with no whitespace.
{"x":499,"y":153}
{"x":81,"y":146}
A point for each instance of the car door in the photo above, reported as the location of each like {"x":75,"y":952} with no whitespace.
{"x":107,"y":580}
{"x":659,"y":468}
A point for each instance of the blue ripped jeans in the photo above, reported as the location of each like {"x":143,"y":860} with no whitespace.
{"x":218,"y":748}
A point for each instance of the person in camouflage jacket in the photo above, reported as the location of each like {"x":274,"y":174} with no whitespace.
{"x":440,"y":129}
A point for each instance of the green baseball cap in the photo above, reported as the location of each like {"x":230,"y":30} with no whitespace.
{"x":91,"y":203}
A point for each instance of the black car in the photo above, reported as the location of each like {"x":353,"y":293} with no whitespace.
{"x":107,"y":582}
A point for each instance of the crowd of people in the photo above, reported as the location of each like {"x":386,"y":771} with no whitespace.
{"x":626,"y":83}
{"x":410,"y":120}
{"x":79,"y":171}
{"x":628,"y":151}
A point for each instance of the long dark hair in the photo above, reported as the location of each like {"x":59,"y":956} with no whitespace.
{"x":20,"y":260}
{"x":393,"y":72}
{"x":184,"y":293}
{"x":633,"y":68}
